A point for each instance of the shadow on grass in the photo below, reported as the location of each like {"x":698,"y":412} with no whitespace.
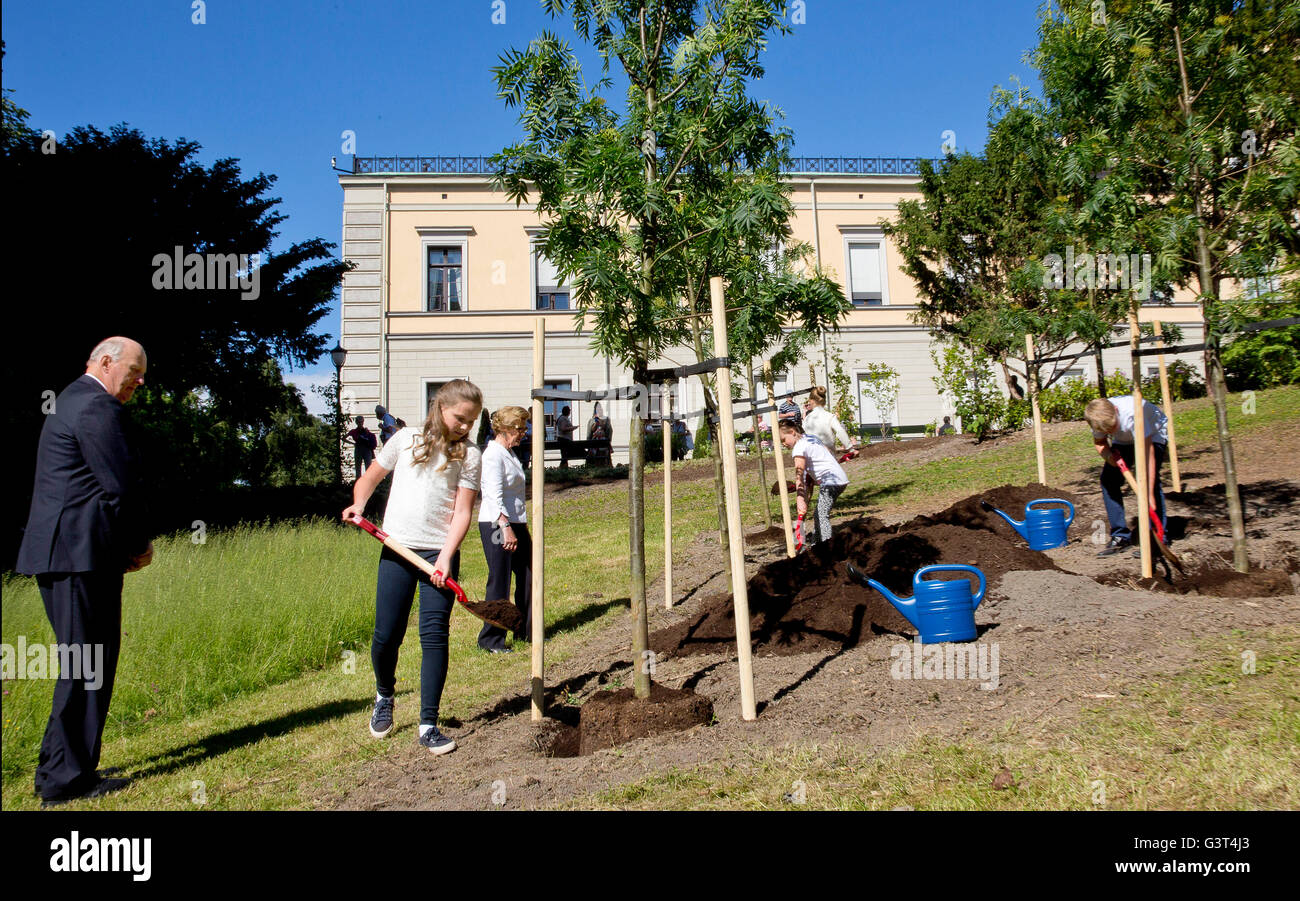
{"x":575,"y":619}
{"x":211,"y":746}
{"x":863,"y":498}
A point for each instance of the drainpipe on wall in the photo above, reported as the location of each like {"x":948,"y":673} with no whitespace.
{"x":383,"y":304}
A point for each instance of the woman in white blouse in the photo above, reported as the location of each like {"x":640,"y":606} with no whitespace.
{"x":822,"y":424}
{"x":502,"y":524}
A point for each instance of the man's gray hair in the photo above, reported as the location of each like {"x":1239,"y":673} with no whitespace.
{"x":112,"y":347}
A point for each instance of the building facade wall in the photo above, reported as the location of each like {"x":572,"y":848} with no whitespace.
{"x":395,"y":348}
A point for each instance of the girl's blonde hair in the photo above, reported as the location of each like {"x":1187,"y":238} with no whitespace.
{"x":818,"y":395}
{"x":510,"y":418}
{"x":434,"y":438}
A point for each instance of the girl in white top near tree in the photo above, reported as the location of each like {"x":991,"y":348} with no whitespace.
{"x":503,"y":528}
{"x":814,"y":464}
{"x":824,"y":425}
{"x":435,"y":479}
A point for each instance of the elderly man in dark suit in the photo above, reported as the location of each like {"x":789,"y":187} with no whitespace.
{"x":84,"y":531}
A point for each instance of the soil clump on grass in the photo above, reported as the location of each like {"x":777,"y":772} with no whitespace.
{"x":612,"y":718}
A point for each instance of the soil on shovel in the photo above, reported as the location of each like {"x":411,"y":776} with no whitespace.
{"x":808,"y":603}
{"x":502,"y":614}
{"x":611,"y":718}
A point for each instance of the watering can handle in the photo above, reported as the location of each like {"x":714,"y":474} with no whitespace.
{"x":953,"y":567}
{"x":1054,"y":500}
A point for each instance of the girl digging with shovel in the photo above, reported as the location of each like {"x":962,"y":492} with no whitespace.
{"x":435,"y":479}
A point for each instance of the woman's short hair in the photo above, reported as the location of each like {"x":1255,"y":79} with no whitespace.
{"x":1101,"y":415}
{"x":510,"y":418}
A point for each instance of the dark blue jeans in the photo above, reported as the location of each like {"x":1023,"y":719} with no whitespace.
{"x":1112,"y":488}
{"x":394,"y":595}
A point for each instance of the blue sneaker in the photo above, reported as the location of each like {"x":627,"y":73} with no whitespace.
{"x":381,"y":721}
{"x":436,"y":742}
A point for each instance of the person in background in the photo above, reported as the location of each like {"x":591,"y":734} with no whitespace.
{"x":598,"y":430}
{"x":85,"y":529}
{"x":947,"y":428}
{"x":814,"y":464}
{"x":1112,"y":424}
{"x":503,"y":527}
{"x":789,"y":412}
{"x":387,"y":424}
{"x":687,"y":442}
{"x":435,"y":480}
{"x":564,"y":429}
{"x":364,"y":442}
{"x":823,"y":424}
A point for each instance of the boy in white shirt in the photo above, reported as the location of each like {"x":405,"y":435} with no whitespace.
{"x":813,"y":463}
{"x":1112,"y":424}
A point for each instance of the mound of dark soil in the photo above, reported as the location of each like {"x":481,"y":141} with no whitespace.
{"x":889,"y":448}
{"x":611,"y":718}
{"x":1214,"y":577}
{"x":1010,"y":499}
{"x":809,"y":603}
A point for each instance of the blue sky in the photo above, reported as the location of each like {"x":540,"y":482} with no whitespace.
{"x":275,"y":83}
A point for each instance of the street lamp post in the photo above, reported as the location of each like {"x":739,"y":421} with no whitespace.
{"x":338,"y":355}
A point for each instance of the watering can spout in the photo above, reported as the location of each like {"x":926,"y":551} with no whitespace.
{"x":1018,"y":526}
{"x":905,"y":606}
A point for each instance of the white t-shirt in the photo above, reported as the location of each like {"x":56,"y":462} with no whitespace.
{"x":503,"y":485}
{"x":825,"y":426}
{"x":421,"y":499}
{"x":825,"y":469}
{"x":1154,"y":423}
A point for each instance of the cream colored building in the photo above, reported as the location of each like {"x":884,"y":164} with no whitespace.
{"x":447,"y":284}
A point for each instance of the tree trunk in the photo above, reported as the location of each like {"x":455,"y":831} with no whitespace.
{"x":711,"y":409}
{"x":636,"y":541}
{"x":1209,"y":286}
{"x":1101,"y":371}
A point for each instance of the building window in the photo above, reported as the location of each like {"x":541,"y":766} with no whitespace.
{"x":551,"y":408}
{"x":1075,"y":373}
{"x":445,"y":294}
{"x":866,"y":273}
{"x":551,"y":291}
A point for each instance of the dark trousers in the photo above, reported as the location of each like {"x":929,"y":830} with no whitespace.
{"x":361,"y":458}
{"x":501,"y":565}
{"x":84,"y":609}
{"x":1112,"y":490}
{"x":394,"y":595}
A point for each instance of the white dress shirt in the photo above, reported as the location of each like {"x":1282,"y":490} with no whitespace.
{"x":502,"y":484}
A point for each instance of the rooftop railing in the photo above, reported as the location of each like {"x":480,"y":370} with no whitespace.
{"x":480,"y":165}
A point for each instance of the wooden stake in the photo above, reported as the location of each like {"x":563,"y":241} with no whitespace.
{"x":727,"y":435}
{"x":780,"y":464}
{"x":1169,"y":412}
{"x":666,"y":408}
{"x":538,"y":524}
{"x":758,"y":446}
{"x":1031,"y":373}
{"x":1140,"y":450}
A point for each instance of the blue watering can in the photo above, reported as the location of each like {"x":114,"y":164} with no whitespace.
{"x":1043,"y":529}
{"x":940,"y":610}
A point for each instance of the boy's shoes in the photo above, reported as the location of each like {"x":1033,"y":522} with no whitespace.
{"x":1116,"y":545}
{"x":436,"y":743}
{"x":381,"y":721}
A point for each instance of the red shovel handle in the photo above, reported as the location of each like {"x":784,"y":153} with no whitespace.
{"x":798,"y":533}
{"x":1151,"y":507}
{"x":451,"y":583}
{"x":370,"y":527}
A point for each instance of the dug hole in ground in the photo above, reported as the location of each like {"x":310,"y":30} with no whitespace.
{"x":1064,"y":624}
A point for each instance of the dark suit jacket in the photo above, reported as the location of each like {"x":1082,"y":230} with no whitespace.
{"x":86,"y":508}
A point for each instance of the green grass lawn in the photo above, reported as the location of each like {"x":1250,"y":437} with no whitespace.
{"x":245,"y":662}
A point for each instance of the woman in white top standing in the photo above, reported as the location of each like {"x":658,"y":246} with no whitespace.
{"x":502,"y":524}
{"x":435,"y":478}
{"x":822,"y":424}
